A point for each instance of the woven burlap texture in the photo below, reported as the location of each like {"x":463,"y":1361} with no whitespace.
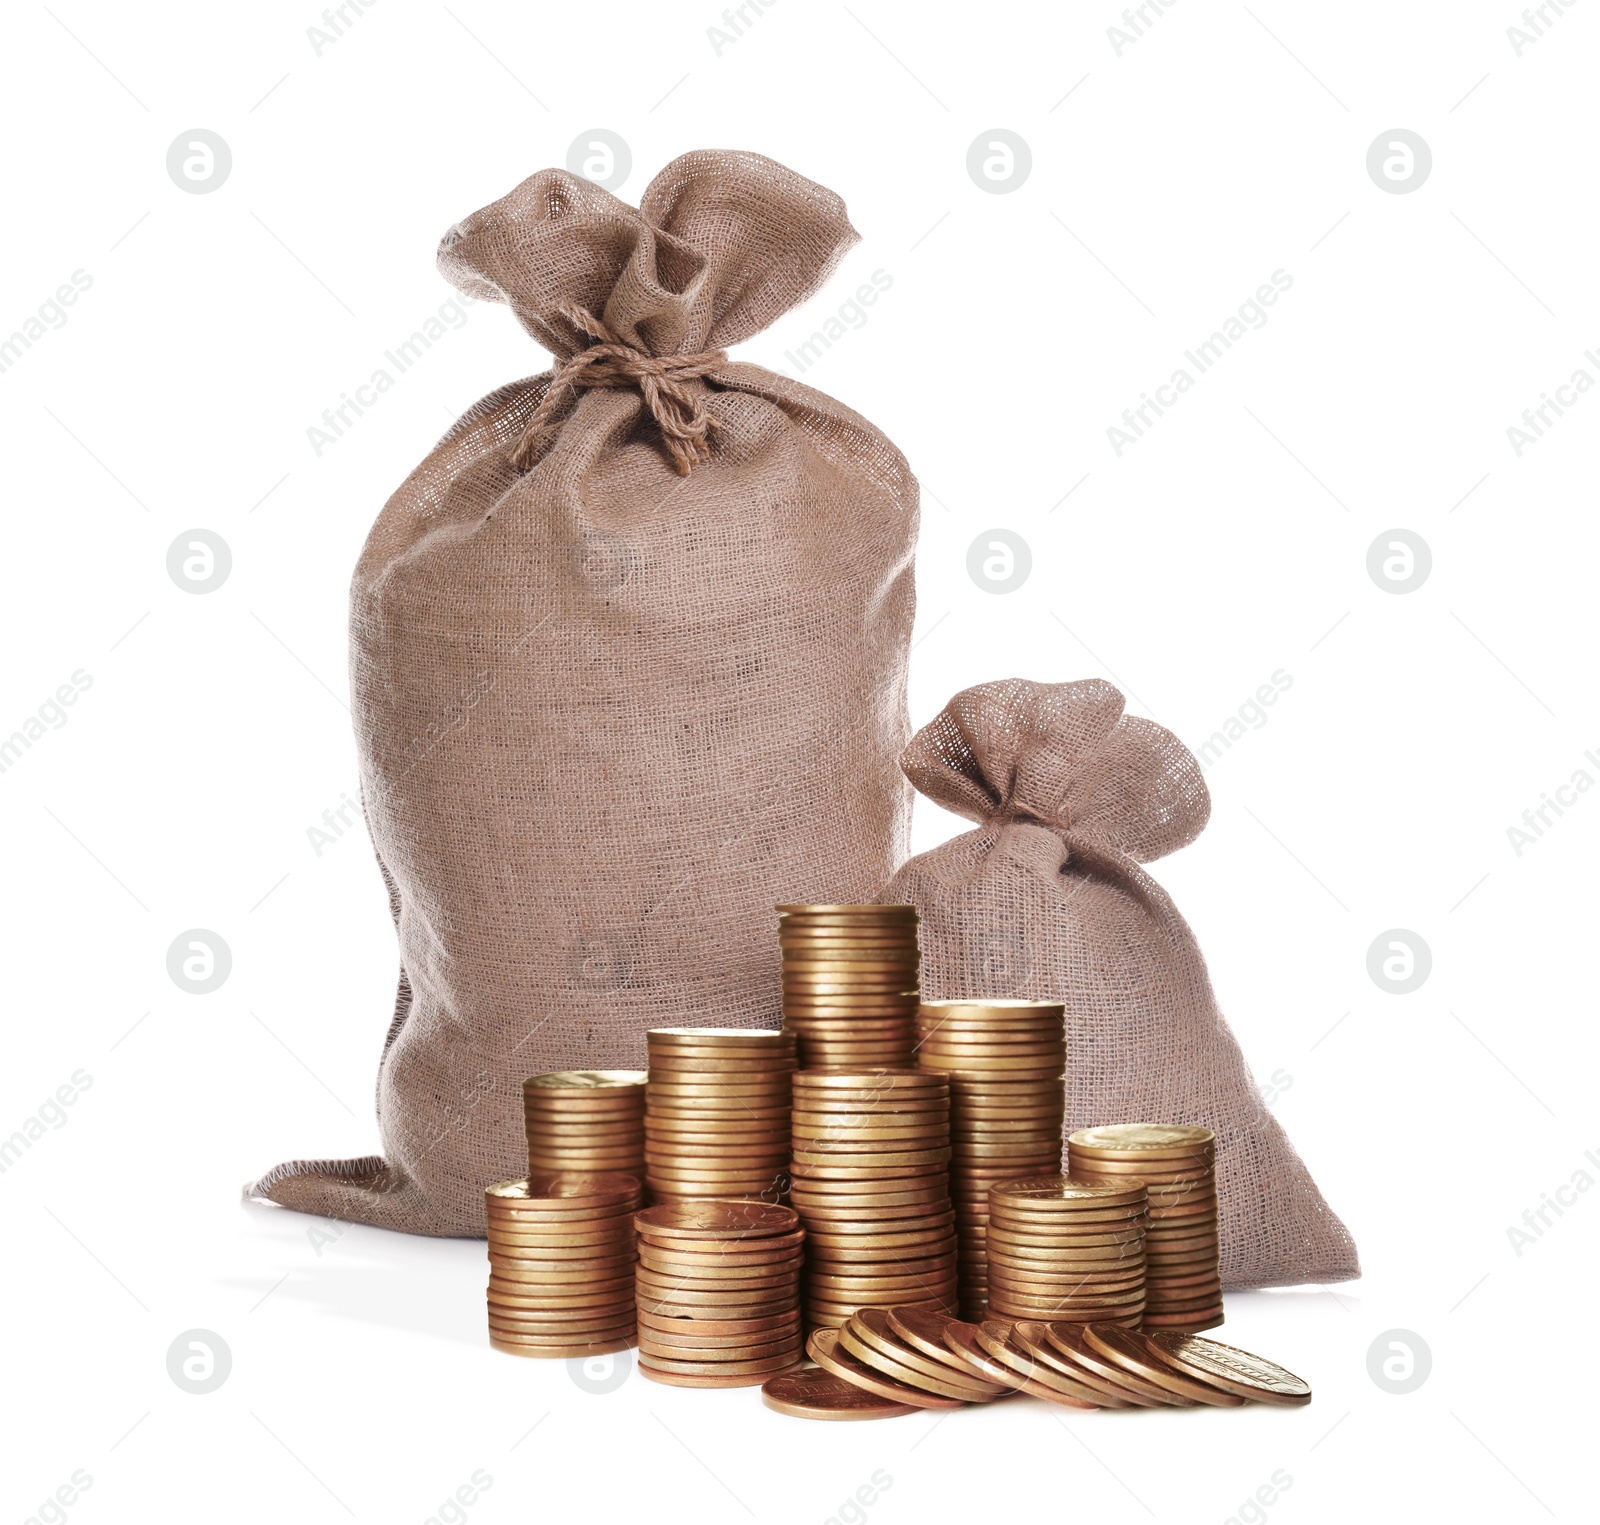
{"x":612,"y":708}
{"x":1047,"y":900}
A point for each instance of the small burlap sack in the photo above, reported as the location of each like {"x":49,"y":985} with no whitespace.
{"x":628,"y":661}
{"x":1046,"y":900}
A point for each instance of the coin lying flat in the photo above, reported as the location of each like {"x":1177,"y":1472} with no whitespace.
{"x":818,"y":1394}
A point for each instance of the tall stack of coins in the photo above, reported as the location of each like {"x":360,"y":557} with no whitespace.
{"x":870,"y":1180}
{"x":1067,"y":1250}
{"x":561,"y":1278}
{"x":719,"y":1292}
{"x":585,"y":1120}
{"x":1007,"y":1100}
{"x":716,"y":1115}
{"x":850,"y":983}
{"x":1183,"y":1278}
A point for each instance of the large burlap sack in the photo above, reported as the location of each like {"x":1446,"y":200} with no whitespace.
{"x":1047,"y":900}
{"x":628,"y":660}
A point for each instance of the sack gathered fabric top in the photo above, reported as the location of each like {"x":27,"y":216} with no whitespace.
{"x":1047,"y":900}
{"x":628,"y":661}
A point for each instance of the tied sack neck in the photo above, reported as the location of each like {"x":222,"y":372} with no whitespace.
{"x":1063,"y":756}
{"x":679,"y":411}
{"x":649,"y":298}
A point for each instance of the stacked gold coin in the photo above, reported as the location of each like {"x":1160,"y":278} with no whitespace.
{"x":1066,"y":1249}
{"x":850,"y":983}
{"x":719,"y":1292}
{"x":1007,"y":1101}
{"x":585,"y":1120}
{"x":870,"y":1180}
{"x":561,"y":1278}
{"x":1183,"y":1279}
{"x":716,"y":1114}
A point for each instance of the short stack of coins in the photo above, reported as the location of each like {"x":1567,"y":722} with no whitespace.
{"x":1067,"y":1250}
{"x":1183,"y":1281}
{"x":850,"y":983}
{"x":561,"y":1264}
{"x":870,"y":1180}
{"x":716,"y":1115}
{"x":1007,"y":1100}
{"x":585,"y":1120}
{"x":719,"y":1292}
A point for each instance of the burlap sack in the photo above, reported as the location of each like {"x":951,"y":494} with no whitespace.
{"x":1046,"y":900}
{"x":628,"y":660}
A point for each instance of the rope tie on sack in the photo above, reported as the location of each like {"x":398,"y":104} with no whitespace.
{"x":679,"y":411}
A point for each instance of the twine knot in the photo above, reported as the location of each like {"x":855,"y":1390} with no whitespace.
{"x":679,"y":411}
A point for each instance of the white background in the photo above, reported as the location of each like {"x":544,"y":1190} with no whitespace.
{"x":1168,"y":182}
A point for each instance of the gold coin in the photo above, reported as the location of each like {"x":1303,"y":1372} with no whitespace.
{"x":584,"y":1080}
{"x":1030,"y":1336}
{"x":997,"y":1338}
{"x":817,"y":1394}
{"x":510,"y":1277}
{"x":686,"y":1379}
{"x":670,"y":1253}
{"x":512,"y":1253}
{"x":527,"y":1244}
{"x":1191,"y":1323}
{"x":773,"y":1118}
{"x":753,"y":1036}
{"x":1161,"y":1138}
{"x":559,"y":1351}
{"x":565,"y":1190}
{"x":884,"y":1359}
{"x":823,"y":1348}
{"x":878,"y":1327}
{"x":1132,"y":1351}
{"x":1067,"y":1340}
{"x":1094,"y":1220}
{"x":583,"y":1217}
{"x":1064,"y":1192}
{"x":982,"y":1010}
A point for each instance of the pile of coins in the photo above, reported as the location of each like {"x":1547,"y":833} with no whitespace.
{"x":1007,"y":1100}
{"x":585,"y":1120}
{"x":1183,"y":1278}
{"x":870,"y":1180}
{"x":719,"y":1292}
{"x":1069,"y":1250}
{"x":561,"y":1269}
{"x":888,"y":1361}
{"x":850,"y":983}
{"x":716,"y":1118}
